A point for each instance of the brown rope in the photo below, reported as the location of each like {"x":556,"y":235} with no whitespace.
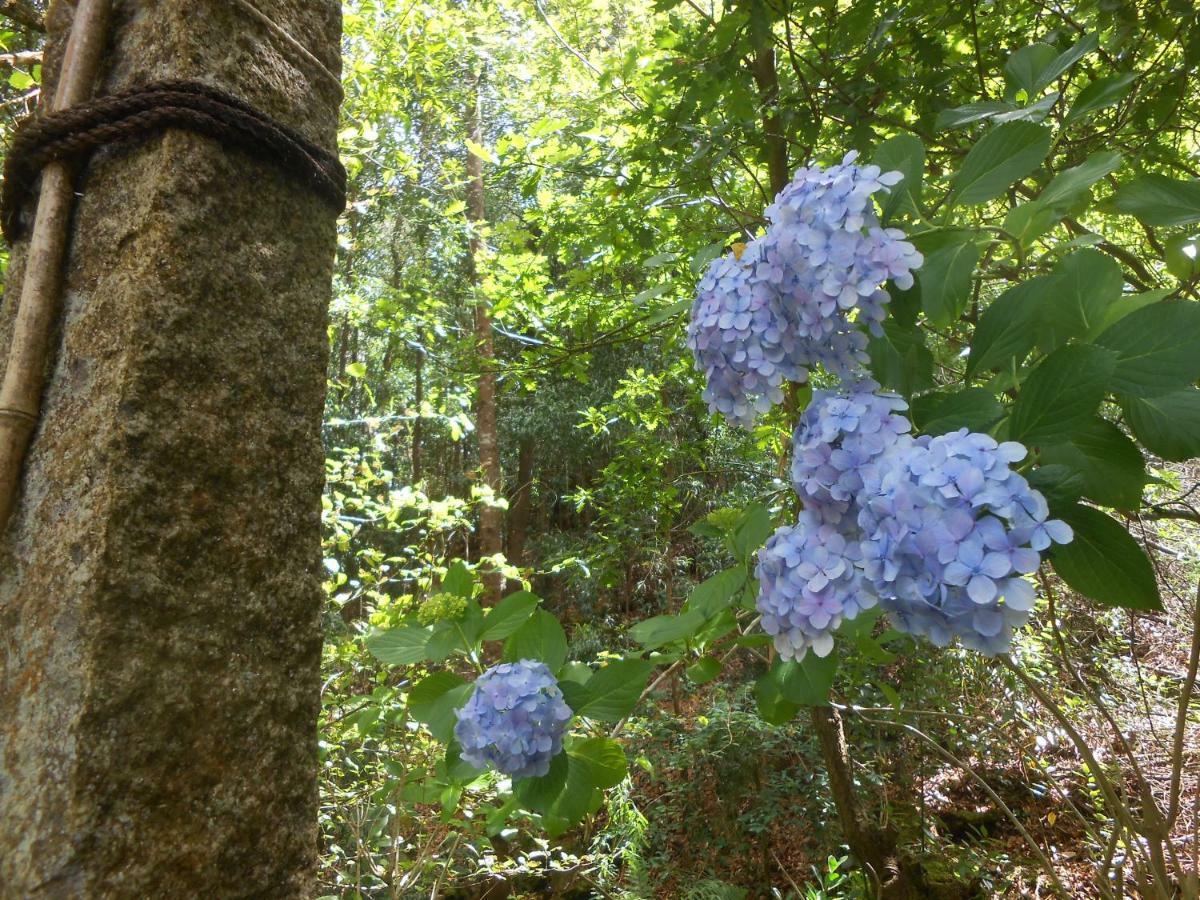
{"x":77,"y":131}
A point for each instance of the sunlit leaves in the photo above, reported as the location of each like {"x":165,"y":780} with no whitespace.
{"x":1159,"y":200}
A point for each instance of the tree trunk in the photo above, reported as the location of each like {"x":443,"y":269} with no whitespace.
{"x":159,"y":581}
{"x":522,"y":503}
{"x":418,"y":429}
{"x":490,"y":516}
{"x":766,"y":79}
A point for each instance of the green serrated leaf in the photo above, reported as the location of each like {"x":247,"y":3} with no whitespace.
{"x":614,"y":690}
{"x":945,"y":276}
{"x":903,"y":153}
{"x":1086,"y":283}
{"x":433,"y":701}
{"x":1168,"y":424}
{"x":1110,"y":464}
{"x":1006,"y":331}
{"x":604,"y":759}
{"x":703,"y":670}
{"x":539,"y":794}
{"x":1061,"y":395}
{"x":1101,"y":93}
{"x":541,"y":638}
{"x":719,"y":592}
{"x":1159,"y":200}
{"x":807,"y":682}
{"x":1068,"y":185}
{"x":401,"y":646}
{"x":974,"y":408}
{"x":508,"y":615}
{"x":1157,"y":348}
{"x":1104,"y":562}
{"x":659,"y":630}
{"x":773,"y":708}
{"x":1003,"y":156}
{"x":459,"y":580}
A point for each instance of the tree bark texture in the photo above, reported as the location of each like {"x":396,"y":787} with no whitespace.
{"x":491,"y":518}
{"x":159,"y":581}
{"x":521,"y":506}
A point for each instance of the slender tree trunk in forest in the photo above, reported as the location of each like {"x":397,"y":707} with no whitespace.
{"x":766,"y":79}
{"x":160,"y":592}
{"x":486,"y":432}
{"x":418,"y":429}
{"x":522,"y":503}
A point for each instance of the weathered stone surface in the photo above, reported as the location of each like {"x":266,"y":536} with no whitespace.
{"x":159,"y":593}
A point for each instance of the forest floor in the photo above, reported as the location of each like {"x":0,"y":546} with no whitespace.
{"x":722,"y":805}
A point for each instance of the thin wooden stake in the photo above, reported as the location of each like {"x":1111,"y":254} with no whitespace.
{"x":37,"y":309}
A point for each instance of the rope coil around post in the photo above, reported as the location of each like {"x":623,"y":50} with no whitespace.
{"x":76,"y":131}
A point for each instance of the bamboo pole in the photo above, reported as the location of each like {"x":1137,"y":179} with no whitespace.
{"x":37,"y":309}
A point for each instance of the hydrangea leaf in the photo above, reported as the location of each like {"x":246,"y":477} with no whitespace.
{"x":1157,"y":348}
{"x":1003,"y":156}
{"x":1067,"y":186}
{"x":773,"y":708}
{"x":604,"y":759}
{"x":1061,"y":395}
{"x":1168,"y":424}
{"x":717,"y":592}
{"x":508,"y":615}
{"x":1110,"y":464}
{"x":459,"y":580}
{"x":1101,"y":92}
{"x":401,"y":646}
{"x":752,"y":530}
{"x":906,"y":154}
{"x":1084,"y":285}
{"x":960,"y":116}
{"x":807,"y":682}
{"x":659,"y":630}
{"x":1128,"y":303}
{"x":900,"y":359}
{"x":541,"y":637}
{"x":703,"y":670}
{"x":1105,"y":563}
{"x":614,"y":690}
{"x":539,"y":794}
{"x":1006,"y":329}
{"x":974,"y":408}
{"x":433,"y":700}
{"x":577,"y":793}
{"x":1159,"y":200}
{"x":945,"y":277}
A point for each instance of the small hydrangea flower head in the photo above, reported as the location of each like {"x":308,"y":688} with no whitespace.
{"x":809,"y":581}
{"x":514,"y":720}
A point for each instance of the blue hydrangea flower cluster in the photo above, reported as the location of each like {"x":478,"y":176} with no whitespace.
{"x":801,"y":294}
{"x":939,"y":531}
{"x":514,"y":720}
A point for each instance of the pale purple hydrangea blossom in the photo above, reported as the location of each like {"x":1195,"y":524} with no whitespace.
{"x":939,"y":531}
{"x":514,"y":721}
{"x":801,"y":294}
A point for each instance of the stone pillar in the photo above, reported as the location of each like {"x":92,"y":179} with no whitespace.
{"x":159,"y":588}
